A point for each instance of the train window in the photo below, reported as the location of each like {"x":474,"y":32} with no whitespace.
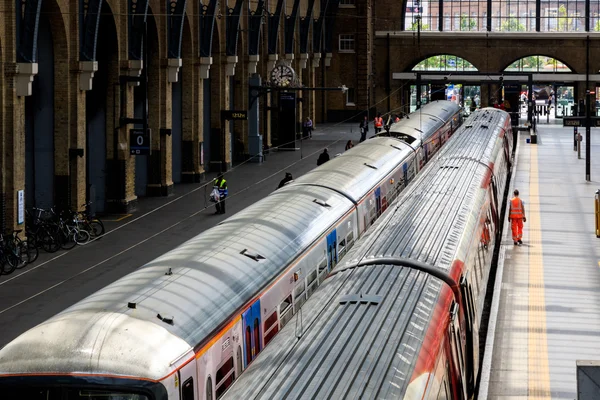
{"x":299,"y":289}
{"x":187,"y":390}
{"x":311,"y":278}
{"x":285,"y":311}
{"x":224,"y":377}
{"x":271,"y":327}
{"x":323,"y":265}
{"x":342,"y":248}
{"x":285,"y":305}
{"x":248,"y":345}
{"x":256,"y":336}
{"x":350,"y":239}
{"x":209,"y":391}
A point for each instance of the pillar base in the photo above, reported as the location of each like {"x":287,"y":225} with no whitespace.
{"x":158,"y":190}
{"x":205,"y":63}
{"x":316,"y":60}
{"x":86,"y":74}
{"x":328,"y":58}
{"x":173,"y":67}
{"x":25,"y":74}
{"x":192,"y":177}
{"x":121,"y":206}
{"x":252,"y":63}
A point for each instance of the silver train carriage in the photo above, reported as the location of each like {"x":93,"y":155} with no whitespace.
{"x":399,"y":317}
{"x":185,"y":325}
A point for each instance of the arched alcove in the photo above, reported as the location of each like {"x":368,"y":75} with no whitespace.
{"x":538,"y":63}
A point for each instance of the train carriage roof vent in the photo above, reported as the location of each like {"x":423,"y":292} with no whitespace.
{"x":254,"y":256}
{"x":396,"y":147}
{"x":370,"y":166}
{"x":484,"y":126}
{"x":361,"y":298}
{"x":468,"y":126}
{"x":321,"y":203}
{"x":166,"y":320}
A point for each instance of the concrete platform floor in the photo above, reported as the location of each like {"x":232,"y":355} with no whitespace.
{"x":547,"y":294}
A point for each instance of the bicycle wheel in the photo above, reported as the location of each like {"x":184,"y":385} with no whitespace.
{"x":49,"y":242}
{"x":7,"y":266}
{"x":81,"y":236}
{"x":97,"y":228}
{"x":32,"y":252}
{"x":21,"y":254}
{"x":67,"y":240}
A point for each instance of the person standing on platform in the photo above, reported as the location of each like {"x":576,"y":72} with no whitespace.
{"x":378,"y":122}
{"x":221,"y":185}
{"x":323,"y":158}
{"x":308,"y":128}
{"x":364,"y":129}
{"x":349,"y":145}
{"x":516,"y":216}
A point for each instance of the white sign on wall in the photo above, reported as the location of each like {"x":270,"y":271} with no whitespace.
{"x":21,"y":206}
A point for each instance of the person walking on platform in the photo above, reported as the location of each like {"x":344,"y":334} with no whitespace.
{"x":378,"y":122}
{"x":221,"y":186}
{"x":288,"y":177}
{"x":323,"y":158}
{"x":364,"y":129}
{"x":516,"y":216}
{"x":308,"y":128}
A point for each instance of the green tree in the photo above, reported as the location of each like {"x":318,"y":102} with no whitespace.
{"x":597,"y":26}
{"x":512,"y":24}
{"x":564,"y":23}
{"x":466,"y":23}
{"x":415,"y":27}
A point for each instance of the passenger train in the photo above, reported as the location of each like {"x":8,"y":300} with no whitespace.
{"x":185,"y":325}
{"x":400,"y":317}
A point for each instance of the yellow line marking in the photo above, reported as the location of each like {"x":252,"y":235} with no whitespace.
{"x":119,"y":219}
{"x":539,"y":374}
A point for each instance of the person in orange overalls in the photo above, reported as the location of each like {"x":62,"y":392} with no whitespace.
{"x":516,"y":216}
{"x":378,"y":122}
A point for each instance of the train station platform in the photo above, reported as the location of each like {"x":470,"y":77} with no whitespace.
{"x":545,"y":314}
{"x":56,"y":281}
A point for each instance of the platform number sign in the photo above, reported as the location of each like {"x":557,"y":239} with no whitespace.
{"x":139,"y":142}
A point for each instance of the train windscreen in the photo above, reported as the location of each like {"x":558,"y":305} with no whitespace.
{"x":58,"y":393}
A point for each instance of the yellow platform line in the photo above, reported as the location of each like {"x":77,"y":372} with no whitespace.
{"x":539,"y":374}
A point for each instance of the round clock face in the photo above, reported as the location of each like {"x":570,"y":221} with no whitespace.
{"x":282,"y":75}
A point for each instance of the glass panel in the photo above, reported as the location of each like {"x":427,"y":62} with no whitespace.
{"x":30,"y":393}
{"x":444,"y":62}
{"x":426,"y":11}
{"x":537,"y":64}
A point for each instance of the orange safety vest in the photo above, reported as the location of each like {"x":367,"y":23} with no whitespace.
{"x":378,"y":122}
{"x":516,"y":208}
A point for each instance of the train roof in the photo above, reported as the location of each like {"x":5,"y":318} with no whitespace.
{"x":360,"y":334}
{"x":201,"y":283}
{"x":212,"y":277}
{"x":356,"y":171}
{"x":426,"y":120}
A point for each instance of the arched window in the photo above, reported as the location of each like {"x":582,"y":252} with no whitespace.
{"x":537,"y":64}
{"x":444,"y":62}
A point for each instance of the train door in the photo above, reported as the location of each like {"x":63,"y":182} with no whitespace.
{"x":332,"y":256}
{"x":186,"y":376}
{"x":425,"y":153}
{"x":378,"y":201}
{"x":251,"y":320}
{"x":405,"y":174}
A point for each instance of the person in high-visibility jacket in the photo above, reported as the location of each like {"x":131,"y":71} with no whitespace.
{"x":516,"y":216}
{"x":221,"y":184}
{"x":378,"y":122}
